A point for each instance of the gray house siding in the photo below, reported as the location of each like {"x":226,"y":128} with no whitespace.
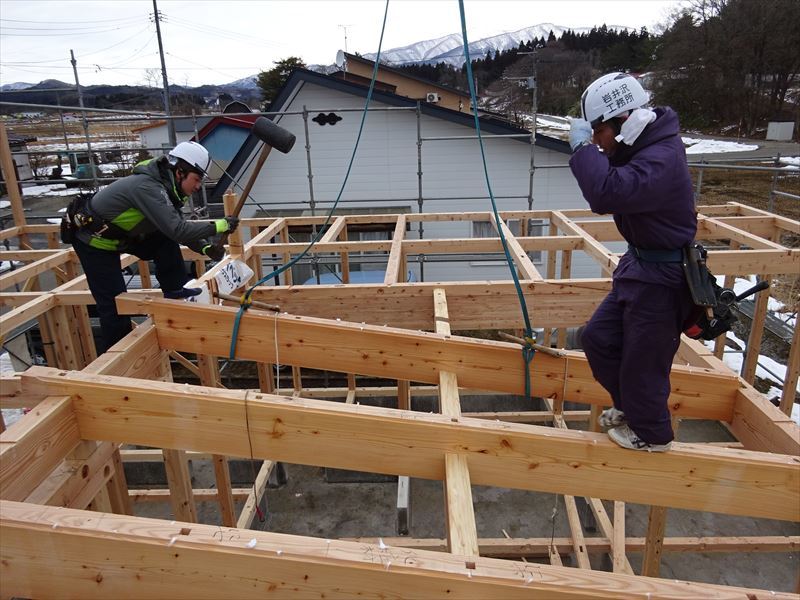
{"x":384,"y":174}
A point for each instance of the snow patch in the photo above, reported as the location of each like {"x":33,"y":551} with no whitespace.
{"x":698,"y":146}
{"x":10,"y":415}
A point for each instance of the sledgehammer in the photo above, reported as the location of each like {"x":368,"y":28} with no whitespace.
{"x":273,"y":136}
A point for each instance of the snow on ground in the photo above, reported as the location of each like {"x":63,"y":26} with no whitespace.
{"x":766,"y":368}
{"x":53,"y":189}
{"x":792,"y":162}
{"x":697,"y":146}
{"x":10,"y":415}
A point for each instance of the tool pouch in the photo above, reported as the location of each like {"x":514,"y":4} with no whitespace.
{"x":701,"y":282}
{"x":69,"y":224}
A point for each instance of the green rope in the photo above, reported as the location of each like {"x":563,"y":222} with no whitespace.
{"x":246,"y":297}
{"x":527,"y":350}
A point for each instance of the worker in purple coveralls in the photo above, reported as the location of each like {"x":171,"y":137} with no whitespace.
{"x":636,"y":170}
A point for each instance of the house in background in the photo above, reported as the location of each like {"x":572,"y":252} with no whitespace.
{"x":155,"y":136}
{"x":384,"y":177}
{"x":223,"y":136}
{"x":357,"y":69}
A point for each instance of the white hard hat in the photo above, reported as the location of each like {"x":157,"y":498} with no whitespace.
{"x":194,"y":154}
{"x":610,"y":96}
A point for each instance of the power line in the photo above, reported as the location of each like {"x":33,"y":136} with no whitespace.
{"x":62,"y":22}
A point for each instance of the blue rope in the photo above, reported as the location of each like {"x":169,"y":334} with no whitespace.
{"x":527,"y":351}
{"x":246,"y":298}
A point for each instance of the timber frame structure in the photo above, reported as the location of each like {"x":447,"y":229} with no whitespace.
{"x":65,"y":509}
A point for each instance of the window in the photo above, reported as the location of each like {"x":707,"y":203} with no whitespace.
{"x":486,"y":229}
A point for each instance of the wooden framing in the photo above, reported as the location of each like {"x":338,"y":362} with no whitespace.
{"x":64,"y":456}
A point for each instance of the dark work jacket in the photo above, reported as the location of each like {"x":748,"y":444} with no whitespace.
{"x":143,"y":203}
{"x":648,"y":190}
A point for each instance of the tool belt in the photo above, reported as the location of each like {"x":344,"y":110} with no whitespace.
{"x":80,"y":216}
{"x":658,"y":256}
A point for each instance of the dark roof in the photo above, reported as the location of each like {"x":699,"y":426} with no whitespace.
{"x":488,"y":124}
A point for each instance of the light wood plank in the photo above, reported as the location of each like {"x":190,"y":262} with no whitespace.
{"x":35,"y":445}
{"x":125,"y":556}
{"x":365,"y":438}
{"x":416,"y":356}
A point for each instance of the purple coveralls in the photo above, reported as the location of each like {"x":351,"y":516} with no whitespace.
{"x":632,"y":337}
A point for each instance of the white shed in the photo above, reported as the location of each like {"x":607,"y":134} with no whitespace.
{"x":384,"y":177}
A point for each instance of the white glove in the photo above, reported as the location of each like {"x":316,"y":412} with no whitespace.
{"x":580,"y":133}
{"x":634,"y":125}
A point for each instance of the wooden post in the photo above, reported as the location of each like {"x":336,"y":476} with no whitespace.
{"x":11,"y":183}
{"x":756,"y":335}
{"x":208,"y":367}
{"x":651,"y":562}
{"x":234,"y":239}
{"x":618,"y":543}
{"x":792,"y":372}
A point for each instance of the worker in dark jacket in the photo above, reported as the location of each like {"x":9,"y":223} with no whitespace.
{"x":636,"y":170}
{"x":141,"y":215}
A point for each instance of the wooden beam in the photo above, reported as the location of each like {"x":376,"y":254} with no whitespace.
{"x":521,"y":259}
{"x":517,"y":547}
{"x":334,"y":230}
{"x":485,"y":305}
{"x":366,"y":438}
{"x":200,"y":495}
{"x":43,"y":265}
{"x":255,"y":494}
{"x":760,"y":425}
{"x":462,"y":533}
{"x":416,"y":356}
{"x":33,"y":446}
{"x":116,"y":556}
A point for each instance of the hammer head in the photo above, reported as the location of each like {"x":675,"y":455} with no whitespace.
{"x":273,"y":135}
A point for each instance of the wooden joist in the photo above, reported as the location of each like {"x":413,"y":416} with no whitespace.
{"x":417,"y":356}
{"x":366,"y":438}
{"x":102,"y":556}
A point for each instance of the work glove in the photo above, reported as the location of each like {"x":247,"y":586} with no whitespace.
{"x":214,"y":252}
{"x":580,"y":134}
{"x":228,"y":224}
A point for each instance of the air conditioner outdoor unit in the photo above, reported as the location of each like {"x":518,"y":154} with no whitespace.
{"x":432,"y":97}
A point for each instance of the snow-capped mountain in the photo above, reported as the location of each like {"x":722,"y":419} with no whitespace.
{"x":246,"y":83}
{"x":449,"y":49}
{"x":19,"y":85}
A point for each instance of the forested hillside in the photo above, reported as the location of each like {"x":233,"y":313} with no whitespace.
{"x":720,"y":63}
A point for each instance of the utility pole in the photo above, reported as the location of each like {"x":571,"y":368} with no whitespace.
{"x":170,"y":123}
{"x":83,"y":119}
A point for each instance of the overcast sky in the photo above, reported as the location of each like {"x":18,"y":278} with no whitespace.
{"x":219,"y":41}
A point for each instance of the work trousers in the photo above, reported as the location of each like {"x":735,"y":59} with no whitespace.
{"x":104,"y":275}
{"x":630,"y":342}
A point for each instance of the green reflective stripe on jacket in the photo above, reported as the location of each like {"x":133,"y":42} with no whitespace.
{"x":103,"y":244}
{"x":129,"y":219}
